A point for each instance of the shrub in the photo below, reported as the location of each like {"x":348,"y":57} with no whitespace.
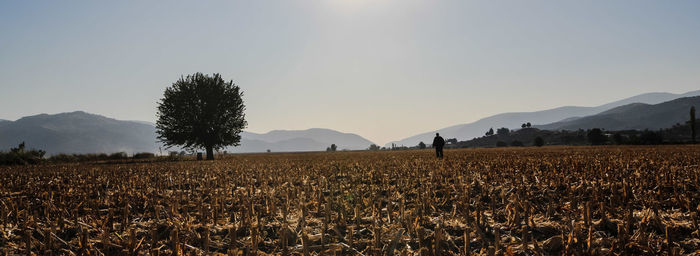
{"x":618,"y":139}
{"x":596,"y":137}
{"x":144,"y":155}
{"x":63,"y":158}
{"x":118,"y":156}
{"x":17,"y":158}
{"x":539,"y":141}
{"x":20,"y":156}
{"x":651,"y":138}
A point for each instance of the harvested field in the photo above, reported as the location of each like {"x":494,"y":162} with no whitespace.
{"x":511,"y":201}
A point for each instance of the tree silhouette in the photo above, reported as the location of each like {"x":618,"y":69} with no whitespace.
{"x":619,"y":140}
{"x":528,"y":125}
{"x":539,"y":141}
{"x":596,"y":136}
{"x":19,"y":148}
{"x":692,"y":123}
{"x":651,"y":138}
{"x":332,"y":148}
{"x":201,"y":111}
{"x":489,"y":132}
{"x":421,"y":145}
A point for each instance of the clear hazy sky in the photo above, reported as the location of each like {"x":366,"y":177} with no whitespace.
{"x":382,"y":69}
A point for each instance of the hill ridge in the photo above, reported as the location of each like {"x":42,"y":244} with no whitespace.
{"x":513,"y":120}
{"x":634,"y":116}
{"x":84,"y":132}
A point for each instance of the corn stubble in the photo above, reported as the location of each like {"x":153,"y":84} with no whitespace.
{"x":524,"y":201}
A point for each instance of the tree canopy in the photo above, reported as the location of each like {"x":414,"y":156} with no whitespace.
{"x":201,"y":111}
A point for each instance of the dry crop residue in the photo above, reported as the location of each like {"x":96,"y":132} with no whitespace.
{"x":511,"y":201}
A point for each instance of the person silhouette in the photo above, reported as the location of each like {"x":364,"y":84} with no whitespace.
{"x":438,"y":143}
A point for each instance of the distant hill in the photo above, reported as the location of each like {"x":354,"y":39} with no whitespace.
{"x":81,"y":132}
{"x":78,"y":132}
{"x":314,"y":139}
{"x":514,"y":120}
{"x":635,"y":123}
{"x":526,"y":137}
{"x":635,"y":116}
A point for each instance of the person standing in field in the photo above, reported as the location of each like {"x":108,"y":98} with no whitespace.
{"x":438,"y":143}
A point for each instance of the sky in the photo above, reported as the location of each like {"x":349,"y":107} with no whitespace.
{"x":382,"y":69}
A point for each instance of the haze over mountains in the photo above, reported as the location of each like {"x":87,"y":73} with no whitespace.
{"x":515,"y":119}
{"x":81,"y":132}
{"x":299,"y":140}
{"x":635,"y":116}
{"x":78,"y":132}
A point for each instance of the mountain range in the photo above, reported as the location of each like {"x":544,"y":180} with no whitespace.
{"x":635,"y":116}
{"x":515,"y":119}
{"x":81,"y":132}
{"x":78,"y":132}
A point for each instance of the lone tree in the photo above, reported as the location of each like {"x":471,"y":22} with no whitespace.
{"x":201,"y":111}
{"x":692,"y":123}
{"x":421,"y":145}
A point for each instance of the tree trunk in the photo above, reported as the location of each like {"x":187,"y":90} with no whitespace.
{"x":210,"y":153}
